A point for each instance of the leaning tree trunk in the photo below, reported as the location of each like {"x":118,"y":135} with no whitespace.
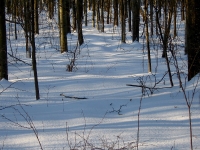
{"x":193,"y":37}
{"x":3,"y":44}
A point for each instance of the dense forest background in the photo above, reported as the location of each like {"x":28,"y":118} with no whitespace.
{"x":159,"y":18}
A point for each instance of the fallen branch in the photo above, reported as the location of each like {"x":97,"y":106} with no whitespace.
{"x":143,"y":86}
{"x":72,"y":97}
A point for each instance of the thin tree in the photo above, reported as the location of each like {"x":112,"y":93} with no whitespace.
{"x":85,"y":11}
{"x":147,"y":34}
{"x":79,"y":16}
{"x":94,"y":12}
{"x":3,"y":44}
{"x":36,"y":26}
{"x":34,"y":63}
{"x":123,"y":23}
{"x":102,"y":15}
{"x":68,"y":25}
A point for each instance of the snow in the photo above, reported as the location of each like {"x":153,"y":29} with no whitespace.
{"x":108,"y":116}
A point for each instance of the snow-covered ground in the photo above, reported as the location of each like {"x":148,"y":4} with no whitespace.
{"x":93,"y":105}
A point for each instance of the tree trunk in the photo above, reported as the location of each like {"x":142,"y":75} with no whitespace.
{"x":79,"y":16}
{"x":36,"y":24}
{"x":193,"y":37}
{"x":147,"y":34}
{"x":102,"y":15}
{"x":151,"y":16}
{"x":94,"y":12}
{"x":135,"y":20}
{"x":182,"y":9}
{"x":98,"y":14}
{"x":123,"y":18}
{"x":68,"y":25}
{"x":62,"y":26}
{"x":115,"y":7}
{"x":108,"y":11}
{"x":74,"y":15}
{"x":3,"y":44}
{"x":175,"y":13}
{"x":129,"y":15}
{"x":33,"y":53}
{"x":85,"y":11}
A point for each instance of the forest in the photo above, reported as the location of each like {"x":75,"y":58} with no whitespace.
{"x":99,"y":74}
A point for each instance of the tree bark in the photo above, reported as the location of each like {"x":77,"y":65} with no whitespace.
{"x":79,"y":16}
{"x":3,"y":43}
{"x":102,"y":15}
{"x":122,"y":18}
{"x":115,"y":7}
{"x":62,"y":26}
{"x":94,"y":12}
{"x":135,"y":20}
{"x":193,"y":37}
{"x":147,"y":34}
{"x":37,"y":94}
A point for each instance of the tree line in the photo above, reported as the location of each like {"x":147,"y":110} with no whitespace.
{"x":158,"y":16}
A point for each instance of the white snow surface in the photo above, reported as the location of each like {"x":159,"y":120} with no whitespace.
{"x":107,"y":116}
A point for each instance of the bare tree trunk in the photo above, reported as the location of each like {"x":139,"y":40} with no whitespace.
{"x":115,"y":7}
{"x":74,"y":15}
{"x":123,"y":25}
{"x":85,"y":11}
{"x":98,"y":14}
{"x":147,"y":34}
{"x":175,"y":13}
{"x":36,"y":24}
{"x":193,"y":37}
{"x":182,"y":9}
{"x":3,"y":44}
{"x":68,"y":25}
{"x":94,"y":12}
{"x":102,"y":15}
{"x":135,"y":20}
{"x":79,"y":16}
{"x":151,"y":16}
{"x":62,"y":26}
{"x":108,"y":11}
{"x":129,"y":15}
{"x":37,"y":94}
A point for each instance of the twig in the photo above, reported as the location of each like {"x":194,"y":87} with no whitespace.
{"x":19,"y":59}
{"x":72,"y":97}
